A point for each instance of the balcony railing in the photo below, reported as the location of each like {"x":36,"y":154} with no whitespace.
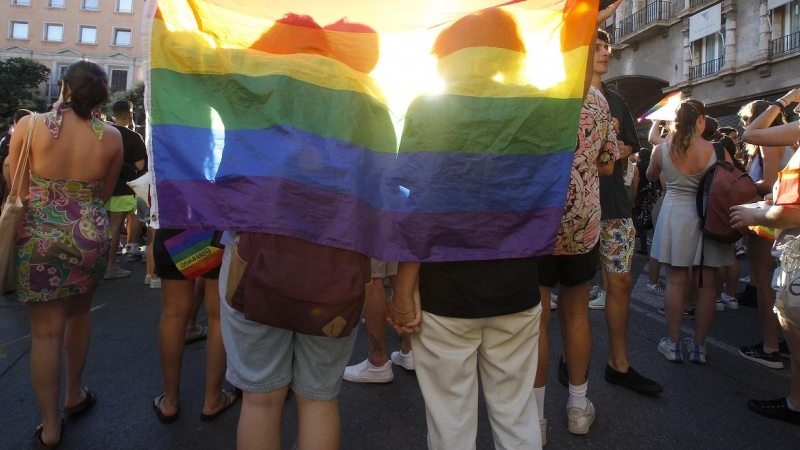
{"x":708,"y":68}
{"x":784,"y":44}
{"x":696,"y":3}
{"x":658,"y":10}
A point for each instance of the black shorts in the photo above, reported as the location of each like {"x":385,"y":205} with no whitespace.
{"x":569,"y":270}
{"x":165,"y":266}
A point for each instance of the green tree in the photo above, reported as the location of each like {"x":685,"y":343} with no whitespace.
{"x":19,"y":87}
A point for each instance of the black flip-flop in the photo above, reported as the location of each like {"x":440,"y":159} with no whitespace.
{"x":40,"y":445}
{"x":163,"y":418}
{"x":228,"y":403}
{"x":200,"y":337}
{"x":85,"y":405}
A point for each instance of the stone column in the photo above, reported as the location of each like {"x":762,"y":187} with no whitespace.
{"x":729,"y":10}
{"x":687,"y":53}
{"x":764,"y":33}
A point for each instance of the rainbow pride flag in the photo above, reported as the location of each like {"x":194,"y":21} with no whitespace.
{"x":195,"y":252}
{"x":259,"y":121}
{"x":663,"y":110}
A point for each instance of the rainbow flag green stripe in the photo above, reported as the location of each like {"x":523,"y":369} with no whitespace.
{"x":255,"y":103}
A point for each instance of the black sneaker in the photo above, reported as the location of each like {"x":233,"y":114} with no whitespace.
{"x":748,"y":297}
{"x":633,"y":381}
{"x":776,"y":409}
{"x":563,"y":377}
{"x":784,"y":349}
{"x":756,"y":354}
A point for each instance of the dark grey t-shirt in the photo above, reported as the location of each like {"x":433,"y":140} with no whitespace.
{"x":614,"y":201}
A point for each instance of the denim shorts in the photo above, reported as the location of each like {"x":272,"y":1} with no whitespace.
{"x":262,"y":359}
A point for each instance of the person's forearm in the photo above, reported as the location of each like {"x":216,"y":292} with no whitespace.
{"x":407,"y":273}
{"x":654,"y":136}
{"x":759,"y":131}
{"x":780,"y":217}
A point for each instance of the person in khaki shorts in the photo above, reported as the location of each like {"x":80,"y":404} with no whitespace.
{"x":377,"y":368}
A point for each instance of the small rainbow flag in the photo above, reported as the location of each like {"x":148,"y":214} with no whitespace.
{"x":663,"y":110}
{"x":260,"y":121}
{"x":194,"y":252}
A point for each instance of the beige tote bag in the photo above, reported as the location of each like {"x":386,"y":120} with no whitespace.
{"x":13,"y":211}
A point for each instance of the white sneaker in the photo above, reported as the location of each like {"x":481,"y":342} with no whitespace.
{"x":720,"y":305}
{"x":365,"y":372}
{"x":404,"y":360}
{"x":657,"y":288}
{"x":148,"y":278}
{"x":580,"y":420}
{"x":670,"y":350}
{"x":729,"y":302}
{"x":697,"y":352}
{"x":155,"y":283}
{"x":745,"y":280}
{"x":543,"y":427}
{"x":599,"y":302}
{"x":116,"y":272}
{"x":595,"y":291}
{"x":553,"y":301}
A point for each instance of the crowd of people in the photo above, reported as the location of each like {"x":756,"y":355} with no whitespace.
{"x":458,"y":319}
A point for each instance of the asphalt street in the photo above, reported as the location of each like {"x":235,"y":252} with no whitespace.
{"x":702,"y":406}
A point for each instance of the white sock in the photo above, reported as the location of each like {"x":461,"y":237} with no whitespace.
{"x":577,"y":396}
{"x":539,"y":394}
{"x":769,"y":351}
{"x":788,"y":403}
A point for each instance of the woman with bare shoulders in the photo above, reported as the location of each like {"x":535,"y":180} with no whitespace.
{"x":62,"y":242}
{"x":678,"y":239}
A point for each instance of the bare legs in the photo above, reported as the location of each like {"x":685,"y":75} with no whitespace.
{"x":115,"y":222}
{"x":762,"y":265}
{"x":149,"y":262}
{"x":260,"y":422}
{"x":178,"y":300}
{"x":677,"y":279}
{"x":375,"y":312}
{"x":573,"y":314}
{"x":55,"y":323}
{"x":216,"y":358}
{"x":618,"y":291}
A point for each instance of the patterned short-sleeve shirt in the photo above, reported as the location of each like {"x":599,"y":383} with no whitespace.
{"x":597,"y":144}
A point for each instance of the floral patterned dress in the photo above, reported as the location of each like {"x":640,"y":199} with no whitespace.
{"x":63,"y":241}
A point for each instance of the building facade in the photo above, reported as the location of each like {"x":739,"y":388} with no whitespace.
{"x":57,"y":33}
{"x":724,"y":53}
